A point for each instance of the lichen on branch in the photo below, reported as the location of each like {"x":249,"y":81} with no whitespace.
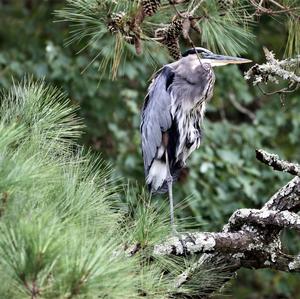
{"x":250,"y":239}
{"x":275,"y":70}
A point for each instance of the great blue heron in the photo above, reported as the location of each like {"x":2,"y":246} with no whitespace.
{"x":172,"y":115}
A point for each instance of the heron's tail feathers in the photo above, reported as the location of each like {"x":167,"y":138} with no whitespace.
{"x":158,"y":174}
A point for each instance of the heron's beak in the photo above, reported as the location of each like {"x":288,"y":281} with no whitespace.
{"x":219,"y":60}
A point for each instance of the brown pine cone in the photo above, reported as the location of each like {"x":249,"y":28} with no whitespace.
{"x":116,"y":22}
{"x":150,"y":7}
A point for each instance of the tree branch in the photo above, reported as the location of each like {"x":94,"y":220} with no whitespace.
{"x":264,"y":218}
{"x":192,"y":243}
{"x":250,"y":239}
{"x":273,"y":70}
{"x":277,"y":164}
{"x":287,"y":198}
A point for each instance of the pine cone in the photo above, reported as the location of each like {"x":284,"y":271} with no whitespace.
{"x":175,"y":28}
{"x":160,"y":32}
{"x":173,"y":48}
{"x":150,"y":7}
{"x":224,"y":6}
{"x":170,"y":37}
{"x":117,"y":22}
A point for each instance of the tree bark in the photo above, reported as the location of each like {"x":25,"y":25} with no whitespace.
{"x":251,"y":238}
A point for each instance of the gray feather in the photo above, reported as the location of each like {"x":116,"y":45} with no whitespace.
{"x":175,"y":103}
{"x":156,"y":116}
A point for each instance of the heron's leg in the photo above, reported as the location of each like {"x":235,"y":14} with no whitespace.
{"x":170,"y":191}
{"x":170,"y":194}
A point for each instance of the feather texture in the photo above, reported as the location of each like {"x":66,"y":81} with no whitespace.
{"x":171,"y":118}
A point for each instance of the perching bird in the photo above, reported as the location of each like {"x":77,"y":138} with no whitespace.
{"x":172,"y":115}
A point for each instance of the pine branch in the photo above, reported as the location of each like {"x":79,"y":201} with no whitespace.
{"x":250,"y":239}
{"x":139,"y":24}
{"x":58,"y":226}
{"x":275,"y":9}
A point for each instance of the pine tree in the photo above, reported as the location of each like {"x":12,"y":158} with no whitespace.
{"x":64,"y":233}
{"x":149,"y":26}
{"x":56,"y":205}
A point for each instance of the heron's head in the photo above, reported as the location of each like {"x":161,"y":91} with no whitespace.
{"x":215,"y":59}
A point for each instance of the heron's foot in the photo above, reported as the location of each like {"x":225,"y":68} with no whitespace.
{"x":179,"y":236}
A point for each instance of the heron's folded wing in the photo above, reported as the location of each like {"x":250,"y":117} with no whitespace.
{"x":156,"y":115}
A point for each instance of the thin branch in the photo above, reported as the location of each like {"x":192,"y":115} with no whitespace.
{"x":259,"y":9}
{"x":241,"y":108}
{"x":280,"y":219}
{"x":276,"y":163}
{"x":273,"y":70}
{"x":193,"y":11}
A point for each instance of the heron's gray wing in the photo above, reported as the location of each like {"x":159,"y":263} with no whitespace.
{"x":156,"y":115}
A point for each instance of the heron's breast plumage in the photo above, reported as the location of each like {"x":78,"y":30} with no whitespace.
{"x":188,"y":109}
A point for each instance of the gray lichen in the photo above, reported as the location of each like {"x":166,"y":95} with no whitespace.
{"x":273,"y":70}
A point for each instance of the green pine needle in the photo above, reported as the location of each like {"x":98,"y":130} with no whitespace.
{"x":293,"y":42}
{"x":62,"y":231}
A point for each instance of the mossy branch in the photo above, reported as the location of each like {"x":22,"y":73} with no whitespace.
{"x":250,"y":239}
{"x":273,"y":71}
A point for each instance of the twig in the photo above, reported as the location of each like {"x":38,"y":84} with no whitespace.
{"x":196,"y":7}
{"x":273,"y":70}
{"x":259,"y":9}
{"x":241,"y":108}
{"x":276,"y":163}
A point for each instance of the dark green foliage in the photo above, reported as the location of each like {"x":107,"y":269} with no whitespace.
{"x":223,"y":173}
{"x":225,"y":5}
{"x":64,"y":234}
{"x":60,"y":235}
{"x":50,"y":196}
